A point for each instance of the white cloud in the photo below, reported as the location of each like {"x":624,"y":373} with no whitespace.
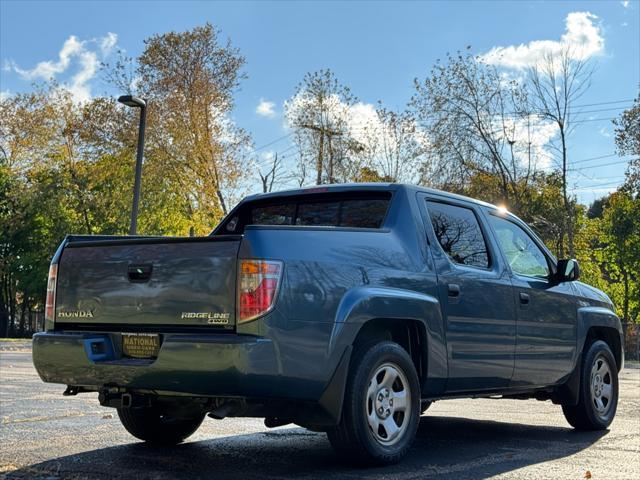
{"x":74,"y":53}
{"x":583,"y":39}
{"x":79,"y":86}
{"x":47,"y":70}
{"x":268,"y":156}
{"x":107,"y":43}
{"x":4,"y":94}
{"x":605,"y":132}
{"x":625,"y":3}
{"x":363,"y":116}
{"x":266,"y":109}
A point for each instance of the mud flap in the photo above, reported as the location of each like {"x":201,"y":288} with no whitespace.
{"x":333,"y":396}
{"x":569,"y":392}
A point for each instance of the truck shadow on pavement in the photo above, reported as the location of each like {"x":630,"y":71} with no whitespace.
{"x":445,"y":447}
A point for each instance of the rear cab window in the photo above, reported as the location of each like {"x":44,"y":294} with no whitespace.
{"x":345,"y":210}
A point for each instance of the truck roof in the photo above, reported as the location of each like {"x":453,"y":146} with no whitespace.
{"x":351,"y":187}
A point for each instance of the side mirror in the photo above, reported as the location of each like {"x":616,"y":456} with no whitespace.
{"x":568,"y":270}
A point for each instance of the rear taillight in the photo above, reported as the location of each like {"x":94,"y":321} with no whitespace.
{"x":50,"y":305}
{"x":257,"y":287}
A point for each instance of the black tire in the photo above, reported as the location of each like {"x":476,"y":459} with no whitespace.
{"x":156,"y":426}
{"x":353,"y":439}
{"x":588,"y":414}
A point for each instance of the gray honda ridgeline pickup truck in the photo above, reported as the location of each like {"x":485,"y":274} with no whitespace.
{"x":346,"y":309}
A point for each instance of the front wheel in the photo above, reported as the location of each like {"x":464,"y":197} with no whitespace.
{"x":598,"y":399}
{"x":155,"y":425}
{"x":381,"y":407}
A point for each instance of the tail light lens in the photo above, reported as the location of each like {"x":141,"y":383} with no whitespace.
{"x":258,"y":287}
{"x":50,"y":304}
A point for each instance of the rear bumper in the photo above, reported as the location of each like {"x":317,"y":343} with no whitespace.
{"x":208,"y":365}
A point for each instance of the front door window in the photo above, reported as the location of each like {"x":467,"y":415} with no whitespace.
{"x":521,"y":252}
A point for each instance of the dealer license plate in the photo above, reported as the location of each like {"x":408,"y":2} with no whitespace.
{"x":140,"y":345}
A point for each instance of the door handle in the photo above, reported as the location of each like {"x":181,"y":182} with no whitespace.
{"x":453,"y":289}
{"x":524,"y":298}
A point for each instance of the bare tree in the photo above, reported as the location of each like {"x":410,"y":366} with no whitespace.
{"x":273,"y":172}
{"x":476,"y":121}
{"x":556,"y":83}
{"x":392,"y":145}
{"x":319,"y":114}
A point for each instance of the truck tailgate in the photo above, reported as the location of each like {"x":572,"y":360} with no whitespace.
{"x":144,"y":282}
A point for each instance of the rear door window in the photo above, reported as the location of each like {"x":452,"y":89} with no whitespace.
{"x":459,"y":234}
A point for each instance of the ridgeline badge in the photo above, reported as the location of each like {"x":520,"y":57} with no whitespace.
{"x":210,"y":317}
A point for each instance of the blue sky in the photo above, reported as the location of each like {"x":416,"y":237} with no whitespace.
{"x":376,"y":48}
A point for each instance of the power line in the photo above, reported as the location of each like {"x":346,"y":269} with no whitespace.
{"x":603,"y":109}
{"x":597,"y":166}
{"x":584,"y":160}
{"x":268,"y":162}
{"x":593,"y":120}
{"x":512,"y":113}
{"x":516,"y":114}
{"x":272,"y":142}
{"x":603,"y":103}
{"x":607,"y":184}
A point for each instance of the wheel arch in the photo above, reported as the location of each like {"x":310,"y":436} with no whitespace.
{"x":412,"y":319}
{"x":365,"y":314}
{"x":410,"y":334}
{"x":598,"y":323}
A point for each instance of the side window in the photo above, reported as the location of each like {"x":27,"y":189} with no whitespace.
{"x":522,"y":253}
{"x":459,"y":234}
{"x":363,"y":213}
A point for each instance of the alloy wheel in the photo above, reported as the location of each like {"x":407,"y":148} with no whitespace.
{"x":601,"y":386}
{"x":388,"y":404}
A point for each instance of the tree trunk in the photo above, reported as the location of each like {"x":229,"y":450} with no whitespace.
{"x":568,"y":208}
{"x":4,"y":312}
{"x":330,"y":159}
{"x":11,"y":295}
{"x":625,"y":301}
{"x":221,"y":200}
{"x":319,"y":160}
{"x":23,"y":311}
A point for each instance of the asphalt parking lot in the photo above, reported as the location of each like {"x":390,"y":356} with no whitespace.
{"x":44,"y":435}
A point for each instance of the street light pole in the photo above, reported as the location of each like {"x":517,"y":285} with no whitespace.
{"x":136,"y":102}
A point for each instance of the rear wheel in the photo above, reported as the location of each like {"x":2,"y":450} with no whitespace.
{"x":598,"y":399}
{"x":155,"y":425}
{"x":381,"y":409}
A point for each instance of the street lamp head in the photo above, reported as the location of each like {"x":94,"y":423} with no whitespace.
{"x":131,"y":101}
